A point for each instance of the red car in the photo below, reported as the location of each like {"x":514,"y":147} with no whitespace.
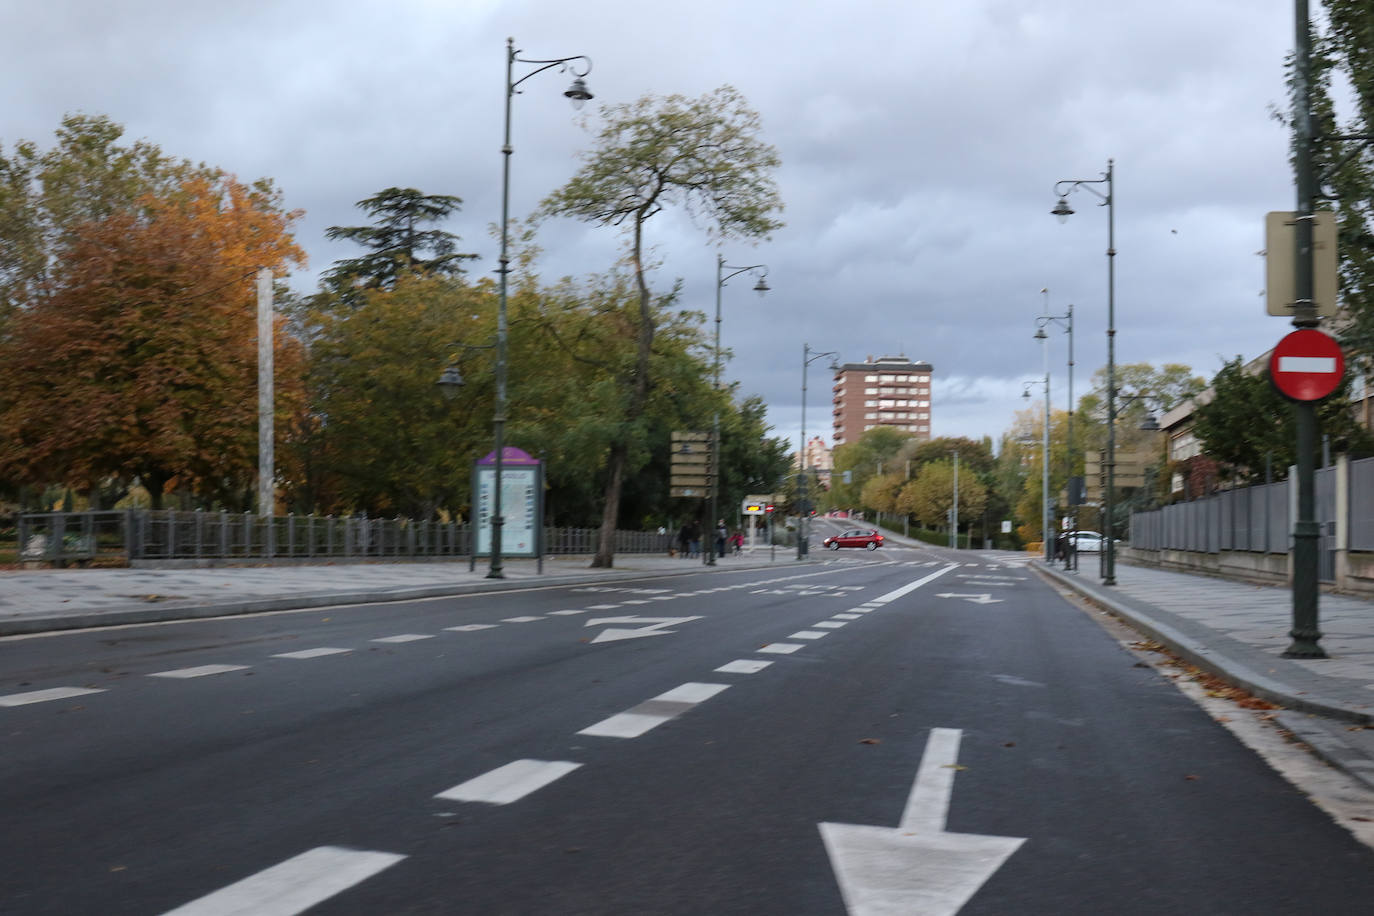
{"x":855,"y":537}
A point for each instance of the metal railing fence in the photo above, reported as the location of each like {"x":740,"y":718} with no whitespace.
{"x":144,"y":534}
{"x":1247,"y":518}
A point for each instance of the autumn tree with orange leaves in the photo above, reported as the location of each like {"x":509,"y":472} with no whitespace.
{"x":135,"y":356}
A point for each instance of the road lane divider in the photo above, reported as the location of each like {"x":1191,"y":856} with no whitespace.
{"x":652,"y":713}
{"x":44,"y":696}
{"x":293,"y":886}
{"x":511,"y":782}
{"x":200,"y":671}
{"x":312,"y":653}
{"x":743,"y":666}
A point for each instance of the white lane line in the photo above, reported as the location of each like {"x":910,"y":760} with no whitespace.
{"x":201,"y":671}
{"x":663,"y":708}
{"x":511,"y":782}
{"x":293,"y":886}
{"x":43,"y":696}
{"x":664,"y":597}
{"x":743,"y":666}
{"x":781,"y":648}
{"x":602,"y":607}
{"x":472,"y":627}
{"x":829,"y":624}
{"x":566,"y":613}
{"x":636,"y":601}
{"x":846,"y":616}
{"x":405,"y":637}
{"x":312,"y":653}
{"x":520,"y":619}
{"x":910,"y":586}
{"x":691,"y":693}
{"x":808,"y":634}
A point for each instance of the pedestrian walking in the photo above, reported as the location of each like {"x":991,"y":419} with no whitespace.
{"x":684,"y":539}
{"x":694,"y":539}
{"x":737,"y":543}
{"x":721,"y":534}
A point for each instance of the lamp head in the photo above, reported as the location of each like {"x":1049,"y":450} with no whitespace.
{"x":578,"y":92}
{"x":1025,"y":393}
{"x":1150,"y":424}
{"x":762,"y":286}
{"x":1040,"y":333}
{"x":450,"y":380}
{"x":1063,"y":210}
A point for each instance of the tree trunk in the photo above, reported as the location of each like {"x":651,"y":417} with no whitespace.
{"x":639,"y":398}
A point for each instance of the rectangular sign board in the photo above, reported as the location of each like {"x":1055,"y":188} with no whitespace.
{"x":690,"y":492}
{"x":521,"y":509}
{"x":1280,"y":239}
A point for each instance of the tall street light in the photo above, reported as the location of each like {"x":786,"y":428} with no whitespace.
{"x":761,"y":287}
{"x":809,"y":356}
{"x":1066,"y":321}
{"x":1064,"y":211}
{"x":578,"y":93}
{"x":1044,"y":458}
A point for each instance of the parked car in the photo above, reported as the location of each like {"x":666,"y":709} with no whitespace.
{"x":866,"y":538}
{"x":1090,"y":541}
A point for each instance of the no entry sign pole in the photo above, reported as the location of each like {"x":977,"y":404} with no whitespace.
{"x":1305,"y":631}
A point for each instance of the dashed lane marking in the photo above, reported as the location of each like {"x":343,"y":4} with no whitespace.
{"x":511,"y":782}
{"x":663,"y":708}
{"x":293,"y":886}
{"x":43,"y":696}
{"x":829,"y":624}
{"x":201,"y":671}
{"x":808,"y":634}
{"x":566,"y":613}
{"x":847,"y":616}
{"x":405,"y":637}
{"x":781,"y":648}
{"x":312,"y":653}
{"x":525,"y":619}
{"x":471,"y":627}
{"x":743,"y":666}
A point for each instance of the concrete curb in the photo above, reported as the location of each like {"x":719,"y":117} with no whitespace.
{"x":173,"y":611}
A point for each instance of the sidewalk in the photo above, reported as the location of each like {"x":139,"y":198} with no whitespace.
{"x":53,"y":599}
{"x":1238,"y":631}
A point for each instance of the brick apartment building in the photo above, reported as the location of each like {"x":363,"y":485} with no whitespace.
{"x":888,"y":391}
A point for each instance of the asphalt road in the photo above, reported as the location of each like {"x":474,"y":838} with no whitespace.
{"x":658,"y":747}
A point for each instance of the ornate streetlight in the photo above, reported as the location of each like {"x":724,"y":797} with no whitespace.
{"x":1064,"y":211}
{"x":809,"y":356}
{"x":1066,"y":321}
{"x":578,"y":93}
{"x":1047,"y":546}
{"x":761,"y":287}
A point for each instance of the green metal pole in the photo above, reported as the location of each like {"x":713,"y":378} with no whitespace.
{"x":1305,"y":631}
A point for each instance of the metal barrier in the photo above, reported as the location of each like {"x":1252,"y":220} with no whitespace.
{"x":64,"y":538}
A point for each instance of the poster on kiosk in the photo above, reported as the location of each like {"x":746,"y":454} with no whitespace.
{"x":522,"y":503}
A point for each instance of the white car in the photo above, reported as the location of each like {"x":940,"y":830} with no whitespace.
{"x":1089,"y":541}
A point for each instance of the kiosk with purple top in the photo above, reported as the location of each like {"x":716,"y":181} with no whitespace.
{"x":522,"y":505}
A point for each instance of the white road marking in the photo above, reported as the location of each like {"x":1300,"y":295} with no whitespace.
{"x":602,"y":607}
{"x":743,"y":666}
{"x":781,"y":648}
{"x":471,"y":627}
{"x":847,"y":616}
{"x":828,"y":624}
{"x":511,"y":782}
{"x":405,"y":637}
{"x":520,"y":619}
{"x":43,"y":696}
{"x":201,"y":671}
{"x":910,"y":587}
{"x":566,"y":613}
{"x":808,"y":634}
{"x":636,"y":601}
{"x":312,"y":653}
{"x":663,"y":708}
{"x":656,"y":627}
{"x":293,"y":886}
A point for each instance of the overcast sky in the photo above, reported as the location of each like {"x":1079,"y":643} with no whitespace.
{"x":920,"y":142}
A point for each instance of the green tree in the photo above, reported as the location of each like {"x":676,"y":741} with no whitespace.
{"x":704,"y":154}
{"x":929,"y":496}
{"x":1248,"y":421}
{"x":397,"y":241}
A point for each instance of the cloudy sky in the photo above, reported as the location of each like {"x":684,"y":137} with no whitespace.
{"x":920,"y":140}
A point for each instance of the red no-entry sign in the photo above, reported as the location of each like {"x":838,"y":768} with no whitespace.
{"x":1307,"y":365}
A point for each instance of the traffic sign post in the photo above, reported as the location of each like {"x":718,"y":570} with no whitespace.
{"x":1307,"y":365}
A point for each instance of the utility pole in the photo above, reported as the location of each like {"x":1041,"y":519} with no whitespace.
{"x":266,"y":396}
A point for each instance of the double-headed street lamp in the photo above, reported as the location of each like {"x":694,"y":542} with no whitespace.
{"x":761,"y":287}
{"x":1047,"y":544}
{"x":578,"y":93}
{"x":1064,"y":211}
{"x":1066,"y":321}
{"x":809,"y":356}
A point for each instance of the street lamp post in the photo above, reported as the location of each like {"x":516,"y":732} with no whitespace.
{"x":1064,"y":211}
{"x":761,"y":287}
{"x":578,"y":93}
{"x":1066,"y":320}
{"x":1044,"y":458}
{"x":809,"y":356}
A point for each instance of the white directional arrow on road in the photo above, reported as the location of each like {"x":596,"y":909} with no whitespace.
{"x":917,"y":867}
{"x":655,"y":628}
{"x":983,"y":598}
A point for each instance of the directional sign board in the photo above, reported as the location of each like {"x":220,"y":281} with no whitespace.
{"x":1307,"y":365}
{"x":1280,"y":253}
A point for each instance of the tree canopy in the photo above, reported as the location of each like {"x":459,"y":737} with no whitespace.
{"x":396,"y":241}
